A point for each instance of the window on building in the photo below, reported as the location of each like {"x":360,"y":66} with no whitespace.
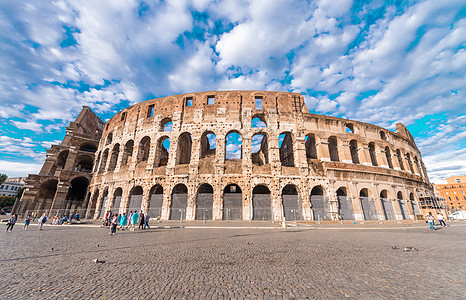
{"x":458,"y":180}
{"x":349,"y":128}
{"x":189,"y":101}
{"x":258,"y":102}
{"x":1,"y":187}
{"x":210,"y":100}
{"x":449,"y":198}
{"x":150,"y":111}
{"x":123,"y":116}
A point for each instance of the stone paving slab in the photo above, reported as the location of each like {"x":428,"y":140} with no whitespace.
{"x":239,"y":263}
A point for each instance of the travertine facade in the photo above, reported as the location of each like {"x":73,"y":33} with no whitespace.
{"x":290,"y":164}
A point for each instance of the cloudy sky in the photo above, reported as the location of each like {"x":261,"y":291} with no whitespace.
{"x":380,"y":62}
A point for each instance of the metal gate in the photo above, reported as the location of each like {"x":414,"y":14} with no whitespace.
{"x":204,"y":206}
{"x":232,"y":206}
{"x":116,"y":205}
{"x":368,"y":207}
{"x":388,"y":209}
{"x":320,"y":208}
{"x":178,"y":207}
{"x":103,"y":208}
{"x":291,"y":207}
{"x":345,"y":208}
{"x":135,"y":202}
{"x":155,"y":206}
{"x":404,"y":209}
{"x":415,"y":207}
{"x":262,"y":207}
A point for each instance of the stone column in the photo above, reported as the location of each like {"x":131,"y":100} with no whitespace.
{"x":322,"y":149}
{"x":333,"y":201}
{"x":344,"y":152}
{"x":167,"y":200}
{"x":60,"y":196}
{"x":145,"y":202}
{"x":364,"y":156}
{"x":357,"y":206}
{"x":305,"y":201}
{"x":247,"y":201}
{"x":300,"y":152}
{"x":396,"y":205}
{"x":382,"y":158}
{"x":395,"y":161}
{"x":191,"y":202}
{"x":70,"y":160}
{"x":378,"y":204}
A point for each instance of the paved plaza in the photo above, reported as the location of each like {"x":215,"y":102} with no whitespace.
{"x":204,"y":261}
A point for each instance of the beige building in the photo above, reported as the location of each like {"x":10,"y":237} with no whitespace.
{"x":454,"y":192}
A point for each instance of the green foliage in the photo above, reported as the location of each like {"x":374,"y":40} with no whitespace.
{"x":7,"y":201}
{"x":3,"y":178}
{"x":19,"y":193}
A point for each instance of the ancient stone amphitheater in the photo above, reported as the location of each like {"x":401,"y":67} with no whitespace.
{"x":254,"y":155}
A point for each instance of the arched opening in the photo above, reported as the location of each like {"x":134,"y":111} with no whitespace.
{"x":388,"y":154}
{"x":92,"y":204}
{"x":403,"y":207}
{"x":208,"y":144}
{"x":285,"y":143}
{"x":260,"y":149}
{"x":258,"y":121}
{"x":109,"y":139}
{"x":232,"y":202}
{"x":179,"y":202}
{"x":103,"y":162}
{"x":87,"y":147}
{"x":183,"y":153}
{"x":410,"y":164}
{"x":291,"y":203}
{"x":84,"y":164}
{"x":345,"y":205}
{"x":310,"y":145}
{"x":115,"y":207}
{"x":76,"y":193}
{"x":372,"y":154}
{"x":387,"y":205}
{"x":414,"y":205}
{"x":61,"y":159}
{"x":400,"y":159}
{"x":155,"y":201}
{"x":104,"y":203}
{"x":333,"y":148}
{"x":204,"y":202}
{"x":383,"y":136}
{"x":349,"y":128}
{"x":320,"y":207}
{"x":368,"y":205}
{"x":353,"y":145}
{"x":163,"y":148}
{"x":261,"y":203}
{"x":166,"y":125}
{"x":416,"y":163}
{"x":114,"y":157}
{"x":233,"y":146}
{"x":144,"y":149}
{"x":135,"y":199}
{"x":46,"y":194}
{"x":127,"y":153}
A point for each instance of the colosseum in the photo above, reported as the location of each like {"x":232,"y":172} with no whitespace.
{"x":241,"y":155}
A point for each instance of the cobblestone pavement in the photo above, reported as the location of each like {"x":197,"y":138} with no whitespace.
{"x":220,"y":263}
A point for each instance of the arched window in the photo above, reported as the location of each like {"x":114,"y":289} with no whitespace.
{"x":61,"y":159}
{"x":410,"y":163}
{"x":349,"y":128}
{"x":333,"y":148}
{"x":114,"y":157}
{"x":103,"y":163}
{"x":260,"y":149}
{"x":353,"y":145}
{"x":400,"y":159}
{"x":163,"y":148}
{"x":310,"y":144}
{"x":166,"y":125}
{"x":144,"y":149}
{"x":183,"y":153}
{"x":233,"y":146}
{"x":109,"y":139}
{"x":372,"y":154}
{"x":84,"y":164}
{"x":383,"y":136}
{"x":128,"y":153}
{"x":418,"y":168}
{"x":388,"y":154}
{"x":285,"y":142}
{"x":208,"y":144}
{"x":258,"y":121}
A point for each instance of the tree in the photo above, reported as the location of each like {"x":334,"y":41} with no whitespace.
{"x":3,"y":178}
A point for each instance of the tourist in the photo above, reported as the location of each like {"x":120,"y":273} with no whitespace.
{"x":77,"y":218}
{"x":42,"y":221}
{"x":430,"y":220}
{"x":11,"y":223}
{"x":134,"y":220}
{"x":146,"y":222}
{"x":71,"y":219}
{"x":27,"y":222}
{"x":34,"y":214}
{"x":441,"y":220}
{"x":123,"y":221}
{"x":114,"y":224}
{"x":142,"y":220}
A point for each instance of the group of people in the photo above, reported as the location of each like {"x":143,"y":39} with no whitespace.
{"x":14,"y":218}
{"x":431,"y":220}
{"x":65,"y":220}
{"x":122,"y":221}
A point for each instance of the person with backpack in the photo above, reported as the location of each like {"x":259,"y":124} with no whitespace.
{"x":134,"y":220}
{"x":11,"y":223}
{"x":42,"y":221}
{"x":114,"y":225}
{"x":27,"y":222}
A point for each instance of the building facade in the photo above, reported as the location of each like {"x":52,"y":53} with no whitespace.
{"x":454,"y":192}
{"x":11,"y":186}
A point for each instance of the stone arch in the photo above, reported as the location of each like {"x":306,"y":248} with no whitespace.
{"x":103,"y":162}
{"x":84,"y":163}
{"x":46,"y":194}
{"x":116,"y":201}
{"x":382,"y":134}
{"x":400,"y":159}
{"x":232,"y":202}
{"x":166,"y":124}
{"x":286,"y":149}
{"x":388,"y":155}
{"x":233,"y":145}
{"x":333,"y":148}
{"x":402,"y":203}
{"x":291,"y":202}
{"x":109,"y":139}
{"x":368,"y":204}
{"x":155,"y":201}
{"x":261,"y":203}
{"x":416,"y":163}
{"x":387,"y":205}
{"x":103,"y":206}
{"x":183,"y":153}
{"x":349,"y":128}
{"x":135,"y":198}
{"x":260,"y":149}
{"x":345,"y":204}
{"x":162,"y":152}
{"x":414,"y":204}
{"x":353,"y":145}
{"x":410,"y":163}
{"x":258,"y":121}
{"x":208,"y":144}
{"x":144,"y":149}
{"x":61,"y":159}
{"x":114,"y":157}
{"x":93,"y":203}
{"x":76,"y":193}
{"x":88,"y":147}
{"x":204,"y":202}
{"x":310,"y":145}
{"x":372,"y":154}
{"x":179,"y":202}
{"x":319,"y":204}
{"x":127,"y":153}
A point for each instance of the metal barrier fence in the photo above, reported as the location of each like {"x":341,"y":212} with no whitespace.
{"x":83,"y":213}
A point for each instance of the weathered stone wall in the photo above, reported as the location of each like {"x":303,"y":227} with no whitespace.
{"x":367,"y":162}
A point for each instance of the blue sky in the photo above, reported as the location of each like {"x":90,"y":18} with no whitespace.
{"x":380,"y":62}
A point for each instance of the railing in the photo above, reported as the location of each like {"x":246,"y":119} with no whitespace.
{"x":83,"y":213}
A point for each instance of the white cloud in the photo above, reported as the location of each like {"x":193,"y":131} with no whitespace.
{"x":19,"y":169}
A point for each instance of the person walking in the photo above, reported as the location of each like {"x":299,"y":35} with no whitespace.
{"x":42,"y":221}
{"x":123,"y":221}
{"x":142,"y":220}
{"x":11,"y":223}
{"x":113,"y":228}
{"x":441,"y":220}
{"x":146,"y":222}
{"x":134,"y":220}
{"x":27,"y":222}
{"x":430,"y":220}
